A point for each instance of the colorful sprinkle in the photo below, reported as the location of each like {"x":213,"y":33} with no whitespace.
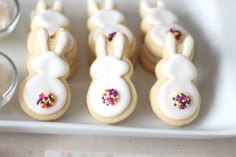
{"x":181,"y":100}
{"x":175,"y":32}
{"x":111,"y":36}
{"x":110,"y":97}
{"x":46,"y":100}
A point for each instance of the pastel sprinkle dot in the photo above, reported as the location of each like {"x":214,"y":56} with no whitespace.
{"x":46,"y":100}
{"x":110,"y":96}
{"x":181,"y":100}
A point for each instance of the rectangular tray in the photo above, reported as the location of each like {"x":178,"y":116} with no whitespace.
{"x":213,"y":30}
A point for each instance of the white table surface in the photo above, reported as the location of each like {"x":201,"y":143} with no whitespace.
{"x":34,"y":145}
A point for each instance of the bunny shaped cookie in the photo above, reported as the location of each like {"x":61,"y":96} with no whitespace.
{"x":50,"y":18}
{"x":104,"y":15}
{"x":174,"y":97}
{"x":45,"y":94}
{"x":94,"y":6}
{"x":155,"y":16}
{"x":111,"y":96}
{"x":53,"y":19}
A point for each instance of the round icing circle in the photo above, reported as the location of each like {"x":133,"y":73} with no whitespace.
{"x":103,"y":17}
{"x":168,"y":89}
{"x":39,"y":84}
{"x":112,"y":110}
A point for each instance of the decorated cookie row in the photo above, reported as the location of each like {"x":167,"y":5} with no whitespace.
{"x":167,"y":50}
{"x":45,"y":94}
{"x":111,"y":97}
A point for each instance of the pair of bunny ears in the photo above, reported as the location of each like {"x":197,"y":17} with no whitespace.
{"x":146,"y":6}
{"x":42,"y":6}
{"x":108,"y":4}
{"x":119,"y":45}
{"x":62,"y":41}
{"x":188,"y":45}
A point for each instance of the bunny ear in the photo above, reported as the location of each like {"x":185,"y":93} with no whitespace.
{"x":101,"y":46}
{"x":42,"y":35}
{"x":61,"y":43}
{"x":58,"y":6}
{"x":188,"y":46}
{"x":41,"y":6}
{"x":92,"y":6}
{"x":170,"y":44}
{"x":145,"y":6}
{"x":161,"y":4}
{"x":109,"y":4}
{"x":119,"y":45}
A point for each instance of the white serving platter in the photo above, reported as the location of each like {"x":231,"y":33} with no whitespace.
{"x":213,"y":28}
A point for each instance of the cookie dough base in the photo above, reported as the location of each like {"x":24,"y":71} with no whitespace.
{"x":145,"y":61}
{"x":36,"y":116}
{"x":156,"y":109}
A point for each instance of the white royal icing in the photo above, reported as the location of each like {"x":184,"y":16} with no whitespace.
{"x":158,"y":33}
{"x":45,"y":65}
{"x":181,"y":72}
{"x":51,"y":20}
{"x":159,"y":16}
{"x":104,"y":17}
{"x":179,"y":67}
{"x":188,"y":44}
{"x":167,"y":91}
{"x":38,"y":84}
{"x":49,"y":66}
{"x":108,"y":72}
{"x":110,"y":28}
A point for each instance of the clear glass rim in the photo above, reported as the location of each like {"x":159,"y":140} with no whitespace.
{"x":14,"y":20}
{"x":15,"y":76}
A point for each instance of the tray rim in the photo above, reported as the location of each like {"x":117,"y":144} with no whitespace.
{"x":62,"y":128}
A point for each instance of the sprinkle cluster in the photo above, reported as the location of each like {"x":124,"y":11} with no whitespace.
{"x":111,"y":36}
{"x":181,"y":100}
{"x":175,"y":32}
{"x":110,"y":96}
{"x":46,"y":100}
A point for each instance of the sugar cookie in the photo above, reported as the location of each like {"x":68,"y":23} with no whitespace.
{"x":45,"y":94}
{"x":52,"y":19}
{"x":174,"y":97}
{"x":111,"y":97}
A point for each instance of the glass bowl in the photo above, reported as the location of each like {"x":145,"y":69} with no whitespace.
{"x":14,"y":15}
{"x":8,"y":79}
